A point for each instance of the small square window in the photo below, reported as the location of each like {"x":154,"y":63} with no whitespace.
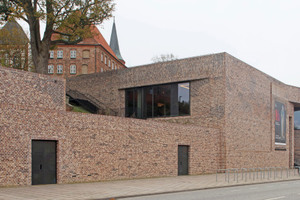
{"x":50,"y":69}
{"x":59,"y":69}
{"x":51,"y":54}
{"x":60,"y":54}
{"x":73,"y":69}
{"x":73,"y":54}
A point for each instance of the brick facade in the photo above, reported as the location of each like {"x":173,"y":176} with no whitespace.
{"x":90,"y":147}
{"x":92,"y":55}
{"x":231,"y":124}
{"x":226,"y":94}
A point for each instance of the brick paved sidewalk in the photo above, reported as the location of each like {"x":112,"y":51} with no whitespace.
{"x":126,"y":188}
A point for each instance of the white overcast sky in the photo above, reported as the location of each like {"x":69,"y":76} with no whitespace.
{"x":262,"y":33}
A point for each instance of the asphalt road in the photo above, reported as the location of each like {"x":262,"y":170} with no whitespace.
{"x":288,"y":190}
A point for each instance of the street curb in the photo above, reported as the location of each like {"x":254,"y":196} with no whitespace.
{"x":191,"y":190}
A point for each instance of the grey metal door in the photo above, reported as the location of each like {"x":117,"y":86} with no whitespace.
{"x":183,"y":160}
{"x":43,"y":162}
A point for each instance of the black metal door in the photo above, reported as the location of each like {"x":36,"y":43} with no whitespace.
{"x":183,"y":160}
{"x":43,"y":162}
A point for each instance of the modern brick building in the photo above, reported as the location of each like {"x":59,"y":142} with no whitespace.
{"x":214,"y":91}
{"x":197,"y":115}
{"x":88,"y":56}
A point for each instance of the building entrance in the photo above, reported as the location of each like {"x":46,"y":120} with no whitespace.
{"x":43,"y":162}
{"x":183,"y":160}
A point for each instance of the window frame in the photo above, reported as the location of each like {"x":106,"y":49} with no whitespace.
{"x":59,"y":69}
{"x":73,"y":54}
{"x":180,"y":109}
{"x":50,"y":71}
{"x":73,"y":69}
{"x":60,"y":54}
{"x":51,"y":54}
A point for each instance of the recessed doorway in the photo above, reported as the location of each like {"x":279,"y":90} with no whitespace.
{"x":183,"y":160}
{"x":43,"y":162}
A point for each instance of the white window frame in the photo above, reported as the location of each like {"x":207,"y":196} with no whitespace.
{"x":59,"y":69}
{"x":73,"y":69}
{"x":109,"y":63}
{"x":101,"y":69}
{"x":51,"y":54}
{"x":113,"y":65}
{"x":73,"y":54}
{"x":60,"y":54}
{"x":50,"y":69}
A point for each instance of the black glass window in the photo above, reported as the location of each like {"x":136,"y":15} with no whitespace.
{"x":297,"y":120}
{"x":158,"y":101}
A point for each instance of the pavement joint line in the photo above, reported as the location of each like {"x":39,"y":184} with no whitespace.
{"x":275,"y":198}
{"x":191,"y":190}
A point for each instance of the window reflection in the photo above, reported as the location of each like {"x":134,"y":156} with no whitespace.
{"x":184,"y":98}
{"x":158,"y":101}
{"x":297,"y":120}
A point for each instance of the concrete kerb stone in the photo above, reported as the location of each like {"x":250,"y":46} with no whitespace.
{"x":191,"y":190}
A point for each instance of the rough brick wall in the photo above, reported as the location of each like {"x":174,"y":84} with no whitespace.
{"x":26,"y":89}
{"x":249,"y":117}
{"x":92,"y":147}
{"x":232,"y":100}
{"x":226,"y":93}
{"x":206,"y":74}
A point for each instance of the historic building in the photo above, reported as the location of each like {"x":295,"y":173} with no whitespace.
{"x":183,"y":117}
{"x":14,"y":49}
{"x":88,"y":56}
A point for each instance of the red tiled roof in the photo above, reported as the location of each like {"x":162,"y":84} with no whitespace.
{"x":96,"y":39}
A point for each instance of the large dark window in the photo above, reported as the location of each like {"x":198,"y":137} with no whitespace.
{"x":158,"y":101}
{"x":297,"y":119}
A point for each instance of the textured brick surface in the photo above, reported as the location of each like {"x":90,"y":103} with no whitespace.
{"x":226,"y":94}
{"x":94,"y":147}
{"x":231,"y":123}
{"x":206,"y":74}
{"x":250,"y":117}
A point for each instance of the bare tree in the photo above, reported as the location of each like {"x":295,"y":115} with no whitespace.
{"x":164,"y":58}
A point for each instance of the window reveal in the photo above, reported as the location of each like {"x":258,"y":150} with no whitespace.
{"x":158,"y":101}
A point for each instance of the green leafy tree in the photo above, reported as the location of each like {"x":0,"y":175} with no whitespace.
{"x":68,"y":20}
